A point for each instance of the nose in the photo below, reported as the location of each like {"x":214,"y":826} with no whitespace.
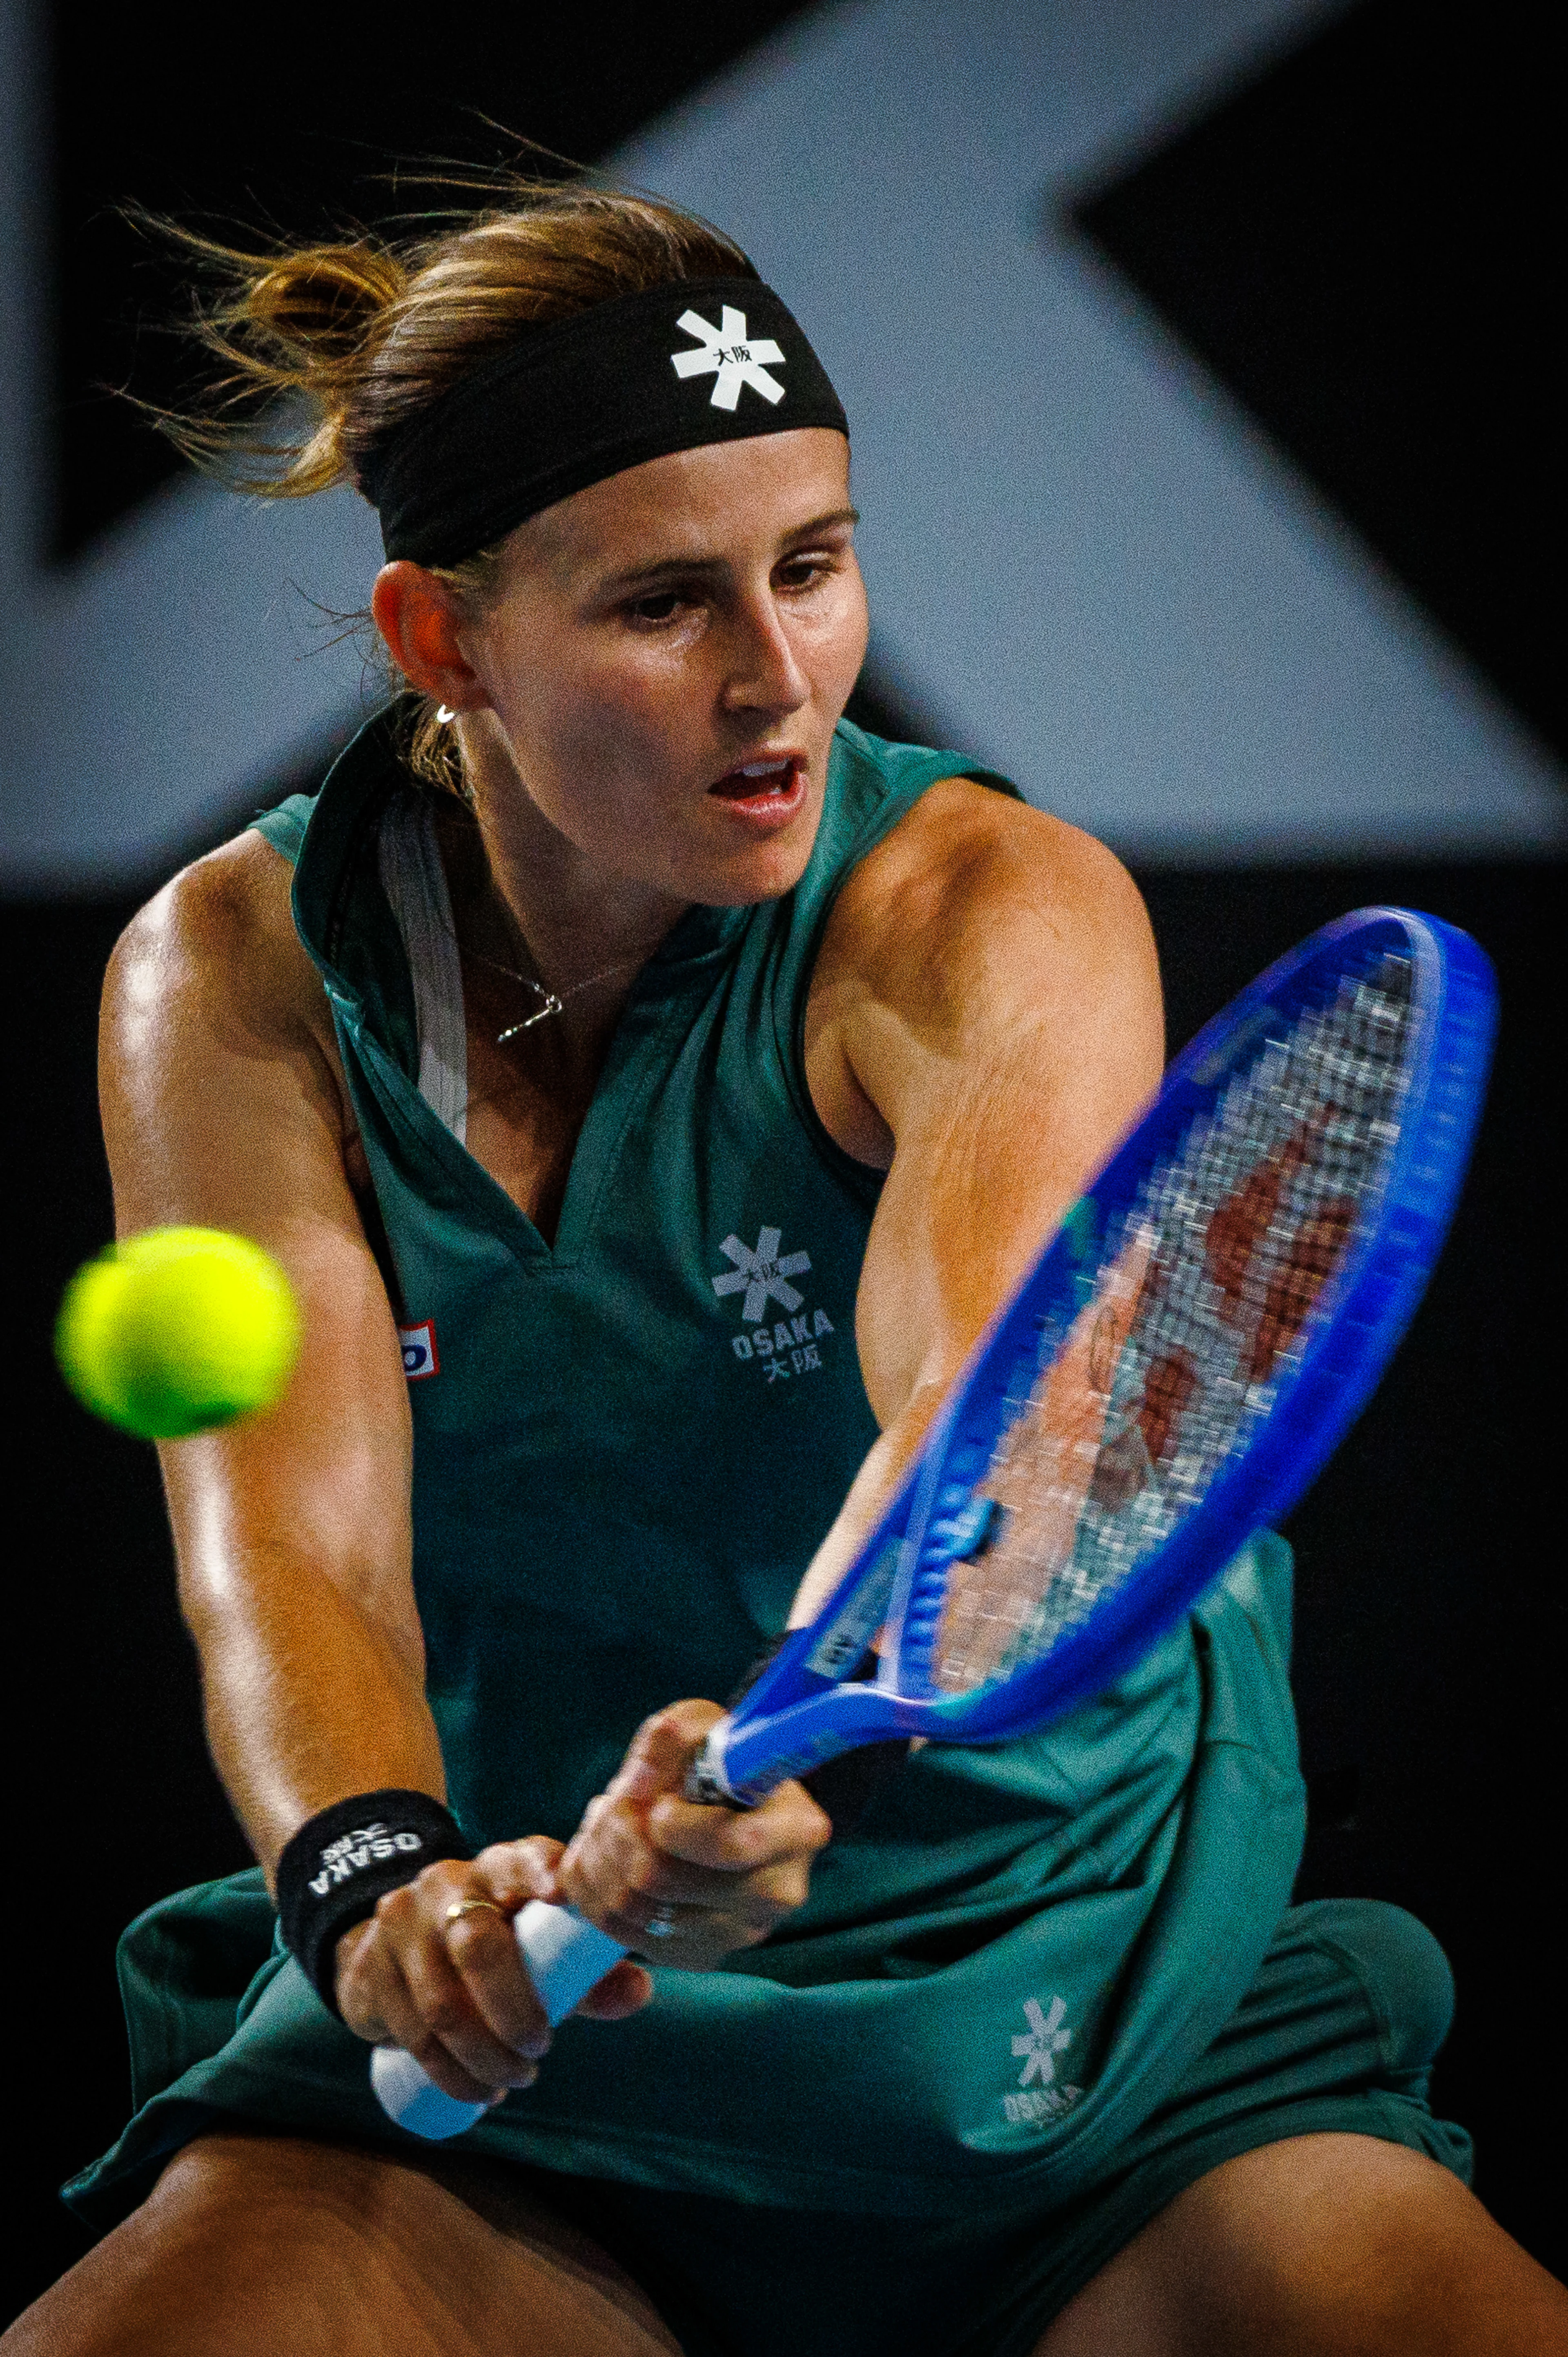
{"x":764,"y":673}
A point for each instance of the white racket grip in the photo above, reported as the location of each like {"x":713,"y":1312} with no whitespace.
{"x":564,"y":1956}
{"x":412,"y":2099}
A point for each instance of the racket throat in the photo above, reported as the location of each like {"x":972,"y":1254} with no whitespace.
{"x":742,"y":1761}
{"x":965,"y":1535}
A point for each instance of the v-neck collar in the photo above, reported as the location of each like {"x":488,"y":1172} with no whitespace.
{"x":349,"y":931}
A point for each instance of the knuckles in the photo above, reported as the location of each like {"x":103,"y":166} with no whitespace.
{"x":396,"y":1907}
{"x":446,"y":2010}
{"x":819,"y":1828}
{"x":642,"y":1881}
{"x":434,"y":1887}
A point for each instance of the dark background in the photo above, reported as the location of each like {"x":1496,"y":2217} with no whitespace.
{"x":1360,"y":244}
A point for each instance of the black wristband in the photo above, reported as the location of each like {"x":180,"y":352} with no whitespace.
{"x":343,"y":1859}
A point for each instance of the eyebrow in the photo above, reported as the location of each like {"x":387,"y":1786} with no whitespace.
{"x":661,"y":568}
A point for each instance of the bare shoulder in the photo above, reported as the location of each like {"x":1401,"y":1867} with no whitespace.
{"x":218,"y":937}
{"x":978,"y":926}
{"x":970,"y":872}
{"x":215,"y":1027}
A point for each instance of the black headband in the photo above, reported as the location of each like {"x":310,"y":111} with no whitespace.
{"x":709,"y":359}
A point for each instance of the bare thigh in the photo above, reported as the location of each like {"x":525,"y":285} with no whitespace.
{"x":1319,"y":2246}
{"x":256,"y":2244}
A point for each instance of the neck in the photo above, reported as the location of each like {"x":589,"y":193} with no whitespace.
{"x":527,"y":900}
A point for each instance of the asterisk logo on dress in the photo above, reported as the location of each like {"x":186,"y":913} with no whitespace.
{"x":1038,"y":2046}
{"x":761,"y":1275}
{"x":727,"y":355}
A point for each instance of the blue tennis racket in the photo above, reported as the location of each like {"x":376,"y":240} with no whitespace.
{"x":1202,"y":1330}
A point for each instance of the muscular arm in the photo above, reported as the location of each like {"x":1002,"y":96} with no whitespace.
{"x":222,"y":1108}
{"x":985,"y":1023}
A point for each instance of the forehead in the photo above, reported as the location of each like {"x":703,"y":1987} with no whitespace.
{"x":727,"y":499}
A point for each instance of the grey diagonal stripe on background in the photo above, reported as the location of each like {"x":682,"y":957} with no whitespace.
{"x":1083,"y":561}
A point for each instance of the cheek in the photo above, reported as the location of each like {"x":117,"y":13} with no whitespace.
{"x":837,"y":644}
{"x":850,"y":655}
{"x":606,"y":729}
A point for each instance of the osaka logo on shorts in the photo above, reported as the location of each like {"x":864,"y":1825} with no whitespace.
{"x":420,"y":1357}
{"x":1037,"y":2047}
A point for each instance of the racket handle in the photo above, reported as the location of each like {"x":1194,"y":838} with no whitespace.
{"x":564,"y":1956}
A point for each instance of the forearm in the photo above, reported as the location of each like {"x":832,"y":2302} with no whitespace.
{"x":874,"y":1486}
{"x":306,"y":1701}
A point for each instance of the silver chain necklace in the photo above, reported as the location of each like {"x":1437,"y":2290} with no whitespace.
{"x":555,"y":1000}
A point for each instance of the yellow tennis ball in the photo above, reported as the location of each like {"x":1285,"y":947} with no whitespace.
{"x":176,"y":1330}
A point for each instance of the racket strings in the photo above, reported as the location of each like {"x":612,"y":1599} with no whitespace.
{"x":1202,"y":1304}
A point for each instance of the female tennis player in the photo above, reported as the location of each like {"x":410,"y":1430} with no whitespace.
{"x":652,"y":1083}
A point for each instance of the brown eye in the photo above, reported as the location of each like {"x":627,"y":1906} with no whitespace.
{"x":657,"y":608}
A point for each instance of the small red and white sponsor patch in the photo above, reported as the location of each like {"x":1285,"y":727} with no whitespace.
{"x":420,"y":1356}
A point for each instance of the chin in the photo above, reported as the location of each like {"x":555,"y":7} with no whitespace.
{"x":763,"y":871}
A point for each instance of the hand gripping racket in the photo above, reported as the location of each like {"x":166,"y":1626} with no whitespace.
{"x":1206,"y":1324}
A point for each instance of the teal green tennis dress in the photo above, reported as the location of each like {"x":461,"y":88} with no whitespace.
{"x":1035,"y":1989}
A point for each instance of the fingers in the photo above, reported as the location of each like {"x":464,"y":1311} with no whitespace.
{"x":681,"y":1882}
{"x":786,"y":1824}
{"x":662,"y":1752}
{"x":451,"y":1987}
{"x":624,"y":1990}
{"x":437,"y":1970}
{"x":684,"y":1851}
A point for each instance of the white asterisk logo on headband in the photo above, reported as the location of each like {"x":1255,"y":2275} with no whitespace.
{"x":726,"y":354}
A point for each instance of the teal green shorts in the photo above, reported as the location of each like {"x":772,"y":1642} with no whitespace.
{"x":1337,"y":2032}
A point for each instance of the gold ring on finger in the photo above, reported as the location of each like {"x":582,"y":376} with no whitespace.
{"x":461,"y":1907}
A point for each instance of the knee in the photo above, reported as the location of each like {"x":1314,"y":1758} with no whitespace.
{"x":203,"y":2247}
{"x":236,"y":2177}
{"x":1342,"y":2243}
{"x":227,"y":2204}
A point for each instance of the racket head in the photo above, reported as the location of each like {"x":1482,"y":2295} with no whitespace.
{"x":1421,"y":1126}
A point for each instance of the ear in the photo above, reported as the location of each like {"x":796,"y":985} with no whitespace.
{"x":419,"y":618}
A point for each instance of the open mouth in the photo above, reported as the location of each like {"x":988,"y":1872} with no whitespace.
{"x":764,"y":788}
